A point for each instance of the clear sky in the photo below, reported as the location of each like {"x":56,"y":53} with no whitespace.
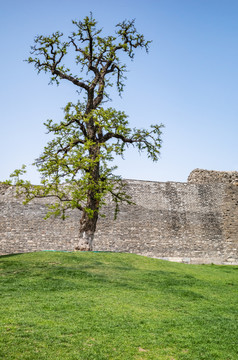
{"x":188,"y":82}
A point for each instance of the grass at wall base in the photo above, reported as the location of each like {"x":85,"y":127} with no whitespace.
{"x":115,"y":306}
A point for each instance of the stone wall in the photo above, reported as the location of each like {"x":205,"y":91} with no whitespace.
{"x":23,"y":228}
{"x":200,"y":176}
{"x":189,"y":222}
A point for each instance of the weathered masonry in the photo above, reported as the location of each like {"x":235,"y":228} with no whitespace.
{"x":193,"y":222}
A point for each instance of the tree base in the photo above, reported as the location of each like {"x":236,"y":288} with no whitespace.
{"x":82,"y":248}
{"x":85,"y":241}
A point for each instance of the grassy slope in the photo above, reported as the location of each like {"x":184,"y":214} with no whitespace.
{"x":115,"y":306}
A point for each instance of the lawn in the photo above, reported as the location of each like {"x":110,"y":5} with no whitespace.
{"x":99,"y":306}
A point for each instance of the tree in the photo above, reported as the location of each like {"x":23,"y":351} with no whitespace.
{"x":74,"y":166}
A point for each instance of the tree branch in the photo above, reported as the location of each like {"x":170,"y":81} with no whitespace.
{"x":111,"y":135}
{"x":70,"y":78}
{"x":68,"y":147}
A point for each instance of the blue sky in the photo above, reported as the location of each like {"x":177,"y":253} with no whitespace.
{"x":188,"y":82}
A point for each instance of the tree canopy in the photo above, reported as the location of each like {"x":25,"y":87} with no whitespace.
{"x":75,"y":166}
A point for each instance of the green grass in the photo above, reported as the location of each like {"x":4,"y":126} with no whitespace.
{"x":99,"y":306}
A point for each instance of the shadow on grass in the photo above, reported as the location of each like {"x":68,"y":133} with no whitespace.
{"x":10,"y":255}
{"x":69,"y":271}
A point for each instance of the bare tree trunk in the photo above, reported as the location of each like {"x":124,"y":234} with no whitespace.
{"x":88,"y":221}
{"x":86,"y":231}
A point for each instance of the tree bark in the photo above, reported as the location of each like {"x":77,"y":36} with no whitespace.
{"x":86,"y":232}
{"x":88,"y":221}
